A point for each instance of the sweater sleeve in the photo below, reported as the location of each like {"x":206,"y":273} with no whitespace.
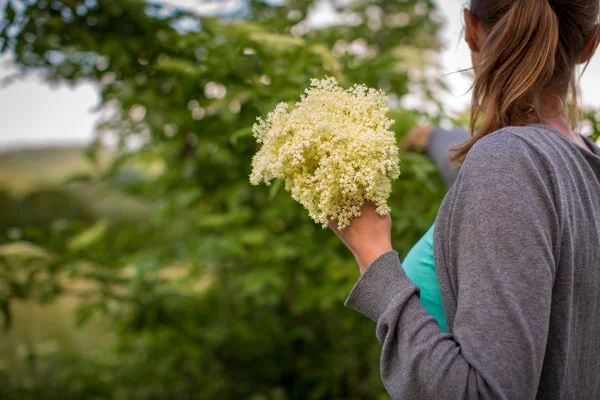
{"x":439,"y":145}
{"x":496,"y":245}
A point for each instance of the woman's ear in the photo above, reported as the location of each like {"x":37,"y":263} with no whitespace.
{"x":591,"y":46}
{"x":474,"y":31}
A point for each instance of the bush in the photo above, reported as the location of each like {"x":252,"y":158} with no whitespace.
{"x":223,"y":290}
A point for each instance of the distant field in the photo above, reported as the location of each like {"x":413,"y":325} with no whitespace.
{"x":50,"y":328}
{"x":25,"y":169}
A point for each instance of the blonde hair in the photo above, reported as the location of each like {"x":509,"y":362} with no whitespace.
{"x":530,"y":46}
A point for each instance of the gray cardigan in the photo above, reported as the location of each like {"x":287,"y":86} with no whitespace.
{"x":517,"y":253}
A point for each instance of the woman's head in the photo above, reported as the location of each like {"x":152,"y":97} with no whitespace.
{"x":521,"y":50}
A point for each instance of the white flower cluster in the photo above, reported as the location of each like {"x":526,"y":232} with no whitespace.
{"x":334,"y":150}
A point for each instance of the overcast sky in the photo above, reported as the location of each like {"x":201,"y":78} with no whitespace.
{"x":31,"y":113}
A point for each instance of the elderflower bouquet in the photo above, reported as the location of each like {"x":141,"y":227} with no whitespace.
{"x":334,"y":150}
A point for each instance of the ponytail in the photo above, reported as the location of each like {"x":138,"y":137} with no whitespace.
{"x":518,"y":61}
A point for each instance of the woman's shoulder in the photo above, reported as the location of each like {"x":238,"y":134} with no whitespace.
{"x":536,"y":143}
{"x":503,"y":168}
{"x":512,"y":150}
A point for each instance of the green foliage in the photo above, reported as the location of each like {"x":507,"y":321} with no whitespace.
{"x":591,"y":123}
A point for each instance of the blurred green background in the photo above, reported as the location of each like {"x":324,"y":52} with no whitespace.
{"x":156,"y":271}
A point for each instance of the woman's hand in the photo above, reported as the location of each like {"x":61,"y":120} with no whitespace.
{"x":418,"y":138}
{"x":367,"y":237}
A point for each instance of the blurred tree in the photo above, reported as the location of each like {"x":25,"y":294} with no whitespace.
{"x":222,"y":290}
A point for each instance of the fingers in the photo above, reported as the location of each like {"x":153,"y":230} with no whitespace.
{"x":333,"y":225}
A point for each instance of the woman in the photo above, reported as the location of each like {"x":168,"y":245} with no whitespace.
{"x":517,"y":238}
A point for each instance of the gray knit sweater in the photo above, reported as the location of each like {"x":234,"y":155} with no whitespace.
{"x":517,"y":253}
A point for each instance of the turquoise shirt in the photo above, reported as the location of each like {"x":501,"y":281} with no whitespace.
{"x":419,"y":265}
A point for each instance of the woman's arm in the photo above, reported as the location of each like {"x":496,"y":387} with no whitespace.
{"x":437,"y":143}
{"x":438,"y":148}
{"x":497,"y":225}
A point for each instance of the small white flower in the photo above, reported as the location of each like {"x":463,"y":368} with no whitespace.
{"x":334,"y":150}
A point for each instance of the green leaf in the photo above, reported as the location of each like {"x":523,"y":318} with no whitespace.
{"x":23,"y":250}
{"x":275,"y":188}
{"x":89,"y":236}
{"x":179,"y":66}
{"x":220,"y":220}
